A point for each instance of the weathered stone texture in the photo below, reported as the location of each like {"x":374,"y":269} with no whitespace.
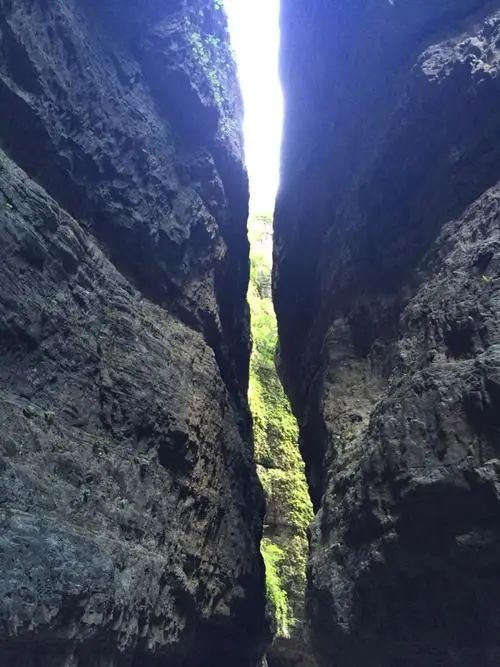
{"x":129,"y":507}
{"x":387,"y":287}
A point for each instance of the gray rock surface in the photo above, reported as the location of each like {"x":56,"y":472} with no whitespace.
{"x":129,"y":506}
{"x":387,"y":288}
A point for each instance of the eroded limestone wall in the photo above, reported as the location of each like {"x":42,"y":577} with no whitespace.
{"x":129,"y":505}
{"x":387,"y":288}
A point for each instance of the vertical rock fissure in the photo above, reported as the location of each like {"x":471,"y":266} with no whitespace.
{"x":279,"y":466}
{"x":255,"y":36}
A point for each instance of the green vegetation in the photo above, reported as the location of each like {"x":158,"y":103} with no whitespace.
{"x":276,"y":595}
{"x":208,"y":46}
{"x":279,"y":463}
{"x":206,"y":49}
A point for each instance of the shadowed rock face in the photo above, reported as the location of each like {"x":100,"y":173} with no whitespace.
{"x":129,"y":507}
{"x":387,"y":288}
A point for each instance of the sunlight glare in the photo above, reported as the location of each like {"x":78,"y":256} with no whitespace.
{"x":254,"y":28}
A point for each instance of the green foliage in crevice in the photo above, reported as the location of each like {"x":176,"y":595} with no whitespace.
{"x":207,"y":50}
{"x":279,"y":463}
{"x":277,"y":597}
{"x":208,"y":46}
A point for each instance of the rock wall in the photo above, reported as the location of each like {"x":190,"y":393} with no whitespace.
{"x":387,"y":289}
{"x":129,"y":506}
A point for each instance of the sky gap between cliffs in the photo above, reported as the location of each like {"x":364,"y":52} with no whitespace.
{"x":255,"y":37}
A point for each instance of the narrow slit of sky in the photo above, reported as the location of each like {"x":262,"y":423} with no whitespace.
{"x":255,"y":36}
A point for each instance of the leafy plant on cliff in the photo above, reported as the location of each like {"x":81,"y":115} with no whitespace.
{"x":279,"y":463}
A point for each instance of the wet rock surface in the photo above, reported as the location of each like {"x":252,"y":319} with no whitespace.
{"x":387,"y":288}
{"x":129,"y":506}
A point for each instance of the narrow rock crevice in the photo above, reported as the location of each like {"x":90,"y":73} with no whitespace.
{"x":130,"y":507}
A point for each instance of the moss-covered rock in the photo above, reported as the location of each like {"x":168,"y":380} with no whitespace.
{"x":279,"y":463}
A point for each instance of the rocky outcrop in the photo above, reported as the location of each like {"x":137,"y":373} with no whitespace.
{"x":387,"y":288}
{"x":129,"y":506}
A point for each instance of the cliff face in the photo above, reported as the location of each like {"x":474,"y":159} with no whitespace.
{"x":387,"y":288}
{"x":129,"y":504}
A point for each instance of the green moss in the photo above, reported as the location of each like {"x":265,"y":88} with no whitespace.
{"x":208,"y":51}
{"x":279,"y":463}
{"x":276,"y":595}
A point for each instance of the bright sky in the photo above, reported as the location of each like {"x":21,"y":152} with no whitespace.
{"x":254,"y":27}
